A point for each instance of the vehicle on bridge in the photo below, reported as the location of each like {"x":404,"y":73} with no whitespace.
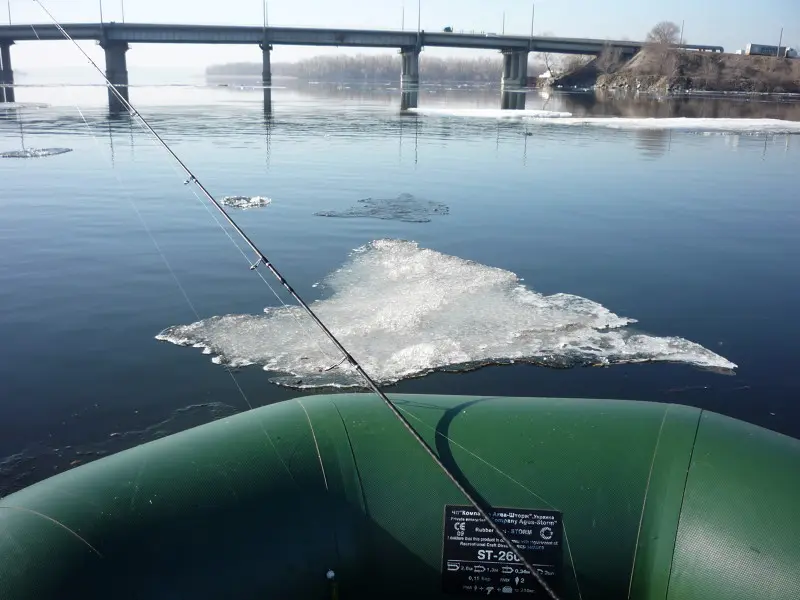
{"x":765,"y":50}
{"x":448,"y":29}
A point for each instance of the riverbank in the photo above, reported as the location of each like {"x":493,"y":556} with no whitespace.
{"x":664,"y":70}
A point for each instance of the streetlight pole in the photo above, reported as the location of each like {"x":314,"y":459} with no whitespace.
{"x":9,"y":12}
{"x":403,"y":17}
{"x":533,"y":16}
{"x":504,"y":23}
{"x":419,"y":16}
{"x":101,"y":12}
{"x":779,"y":43}
{"x":682,"y":24}
{"x":122,"y":5}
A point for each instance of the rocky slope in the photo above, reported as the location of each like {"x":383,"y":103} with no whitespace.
{"x":664,"y":70}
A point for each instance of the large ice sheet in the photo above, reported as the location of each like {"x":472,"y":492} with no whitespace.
{"x":404,"y":311}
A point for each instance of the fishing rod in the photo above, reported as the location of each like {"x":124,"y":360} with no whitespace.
{"x":262,"y":259}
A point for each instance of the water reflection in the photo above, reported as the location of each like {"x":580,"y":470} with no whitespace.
{"x":653,"y":143}
{"x":512,"y":99}
{"x":268,"y":101}
{"x":707,"y":106}
{"x":338,"y":110}
{"x":580,"y":104}
{"x":409,"y":98}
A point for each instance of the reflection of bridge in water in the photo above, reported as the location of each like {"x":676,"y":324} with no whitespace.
{"x":510,"y":99}
{"x":580,"y":104}
{"x":247,"y":123}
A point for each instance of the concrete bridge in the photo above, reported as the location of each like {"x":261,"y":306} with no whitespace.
{"x":116,"y":37}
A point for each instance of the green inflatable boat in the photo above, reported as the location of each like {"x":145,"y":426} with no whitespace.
{"x":329,"y":497}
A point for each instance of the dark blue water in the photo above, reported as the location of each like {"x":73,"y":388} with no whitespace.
{"x":692,"y":234}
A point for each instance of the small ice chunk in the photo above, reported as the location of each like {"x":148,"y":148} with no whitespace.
{"x":246,"y":202}
{"x":34,"y":152}
{"x":404,"y":207}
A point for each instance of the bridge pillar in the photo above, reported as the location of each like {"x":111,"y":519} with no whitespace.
{"x":515,"y":68}
{"x":6,"y":74}
{"x":266,"y":68}
{"x":409,"y":71}
{"x":117,"y":74}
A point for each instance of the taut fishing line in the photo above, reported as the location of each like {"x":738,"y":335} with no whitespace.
{"x":261,"y":259}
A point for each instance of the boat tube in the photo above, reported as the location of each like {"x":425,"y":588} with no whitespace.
{"x":329,"y":497}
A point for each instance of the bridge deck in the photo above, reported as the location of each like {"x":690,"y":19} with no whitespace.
{"x":138,"y":33}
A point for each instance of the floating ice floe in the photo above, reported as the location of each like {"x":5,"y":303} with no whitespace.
{"x":34,"y":152}
{"x":404,"y":311}
{"x":690,"y":124}
{"x":491,"y":113}
{"x":404,"y":207}
{"x":9,"y":106}
{"x":544,"y":117}
{"x":681,"y":124}
{"x":246,"y":202}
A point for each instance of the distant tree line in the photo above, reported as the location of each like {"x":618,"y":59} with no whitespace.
{"x":375,"y":68}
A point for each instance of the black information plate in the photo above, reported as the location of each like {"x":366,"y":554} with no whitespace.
{"x":476,"y":561}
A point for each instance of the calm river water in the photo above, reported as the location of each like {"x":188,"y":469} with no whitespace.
{"x":688,"y":227}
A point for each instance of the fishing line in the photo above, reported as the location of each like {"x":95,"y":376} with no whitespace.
{"x":171,"y":270}
{"x":263,"y":260}
{"x":507,"y":476}
{"x":302,"y":326}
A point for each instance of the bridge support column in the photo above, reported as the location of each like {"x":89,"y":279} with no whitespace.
{"x":117,"y":74}
{"x":266,"y":66}
{"x":6,"y":73}
{"x":515,"y":68}
{"x":409,"y":72}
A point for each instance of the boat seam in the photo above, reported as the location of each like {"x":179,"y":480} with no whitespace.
{"x":683,"y":499}
{"x":644,"y":500}
{"x":355,"y":462}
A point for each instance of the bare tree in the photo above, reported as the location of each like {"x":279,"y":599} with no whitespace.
{"x":609,"y":59}
{"x":575,"y":62}
{"x":665,"y":33}
{"x":552,"y":62}
{"x":711,"y":70}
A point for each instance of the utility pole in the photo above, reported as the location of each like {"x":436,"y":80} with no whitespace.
{"x":779,"y":43}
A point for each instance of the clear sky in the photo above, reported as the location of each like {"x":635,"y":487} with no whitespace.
{"x":731,"y":23}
